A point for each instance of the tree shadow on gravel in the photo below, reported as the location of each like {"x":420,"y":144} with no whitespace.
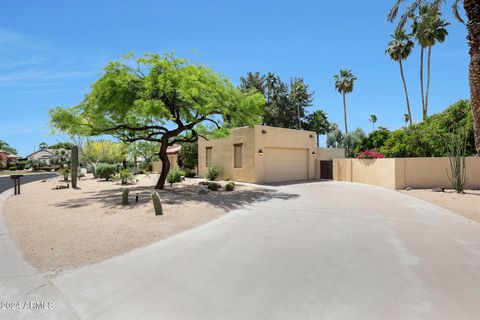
{"x":238,"y":198}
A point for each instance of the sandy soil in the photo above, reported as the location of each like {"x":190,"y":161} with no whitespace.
{"x":467,"y":205}
{"x":64,"y":229}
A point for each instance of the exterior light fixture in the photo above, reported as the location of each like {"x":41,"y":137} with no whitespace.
{"x":264,"y":131}
{"x":314,"y":154}
{"x":260,"y":152}
{"x":311,"y":136}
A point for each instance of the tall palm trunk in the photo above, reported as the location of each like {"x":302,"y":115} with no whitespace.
{"x":347,"y":141}
{"x":406,"y":91}
{"x":421,"y":84}
{"x":345,"y":113}
{"x":428,"y":79}
{"x":472,"y":9}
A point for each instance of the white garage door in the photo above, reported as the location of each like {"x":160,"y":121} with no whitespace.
{"x":282,"y":164}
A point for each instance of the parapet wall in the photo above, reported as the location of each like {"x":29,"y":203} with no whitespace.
{"x":400,"y":173}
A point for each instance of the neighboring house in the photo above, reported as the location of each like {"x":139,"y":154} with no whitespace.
{"x":43,"y":155}
{"x":264,"y":154}
{"x":172,"y":153}
{"x":7,"y":157}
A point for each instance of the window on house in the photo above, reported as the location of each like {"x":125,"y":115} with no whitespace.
{"x":208,"y":156}
{"x":237,"y":151}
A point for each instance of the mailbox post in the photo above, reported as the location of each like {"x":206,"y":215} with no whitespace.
{"x":16,"y":182}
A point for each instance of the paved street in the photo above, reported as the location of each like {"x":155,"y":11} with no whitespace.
{"x":7,"y":183}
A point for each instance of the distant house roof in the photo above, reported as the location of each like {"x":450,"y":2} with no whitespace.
{"x":52,"y":151}
{"x":174,"y":149}
{"x":10,"y":155}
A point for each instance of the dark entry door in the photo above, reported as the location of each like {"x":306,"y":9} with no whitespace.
{"x":326,"y":169}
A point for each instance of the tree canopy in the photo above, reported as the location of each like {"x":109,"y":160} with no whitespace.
{"x":286,"y":103}
{"x":159,"y":98}
{"x":6,"y":147}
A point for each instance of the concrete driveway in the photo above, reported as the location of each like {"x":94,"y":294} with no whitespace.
{"x":335,"y":251}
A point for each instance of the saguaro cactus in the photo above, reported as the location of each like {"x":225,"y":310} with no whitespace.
{"x":157,"y":205}
{"x":125,"y":197}
{"x":74,"y":172}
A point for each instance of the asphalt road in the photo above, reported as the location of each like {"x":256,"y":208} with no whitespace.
{"x":7,"y":183}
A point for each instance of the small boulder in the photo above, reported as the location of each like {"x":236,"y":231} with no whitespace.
{"x":203,"y":191}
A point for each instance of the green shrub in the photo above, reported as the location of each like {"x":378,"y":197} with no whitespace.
{"x":2,"y":165}
{"x":188,"y":156}
{"x":190,"y":174}
{"x":174,"y":176}
{"x":230,"y":186}
{"x":21,"y":165}
{"x":64,"y":172}
{"x":125,"y":176}
{"x":12,"y":166}
{"x":213,"y":186}
{"x":427,"y":138}
{"x":35,"y":164}
{"x":106,"y":170}
{"x":213,"y":172}
{"x":80,"y":173}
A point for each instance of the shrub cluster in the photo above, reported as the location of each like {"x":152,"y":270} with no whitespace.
{"x":190,"y":174}
{"x":213,"y":186}
{"x":425,"y":139}
{"x":174,"y":176}
{"x":213,"y":172}
{"x":230,"y":186}
{"x":106,"y":170}
{"x":124,"y":175}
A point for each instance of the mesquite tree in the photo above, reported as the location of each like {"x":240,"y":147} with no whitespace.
{"x":158,"y":98}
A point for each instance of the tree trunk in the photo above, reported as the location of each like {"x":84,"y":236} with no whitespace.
{"x":345,"y":113}
{"x":318,"y":140}
{"x":428,"y":79}
{"x":299,"y":119}
{"x":406,"y":92}
{"x":472,"y":9}
{"x":165,"y":165}
{"x":421,"y":84}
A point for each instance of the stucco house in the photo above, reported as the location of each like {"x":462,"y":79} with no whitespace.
{"x":43,"y":155}
{"x":172,"y":153}
{"x":7,"y":157}
{"x":264,"y":154}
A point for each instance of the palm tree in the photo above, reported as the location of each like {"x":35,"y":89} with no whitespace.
{"x":344,"y":82}
{"x":472,"y":10}
{"x":373,"y":119}
{"x":428,"y":28}
{"x":399,"y":49}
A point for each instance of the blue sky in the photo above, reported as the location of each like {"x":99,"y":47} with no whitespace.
{"x":52,"y":51}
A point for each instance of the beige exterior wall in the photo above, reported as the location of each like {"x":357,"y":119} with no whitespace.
{"x":157,"y":164}
{"x":432,"y":172}
{"x":223,"y":154}
{"x":267,"y":139}
{"x":286,"y":139}
{"x":330,"y":153}
{"x":399,"y":173}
